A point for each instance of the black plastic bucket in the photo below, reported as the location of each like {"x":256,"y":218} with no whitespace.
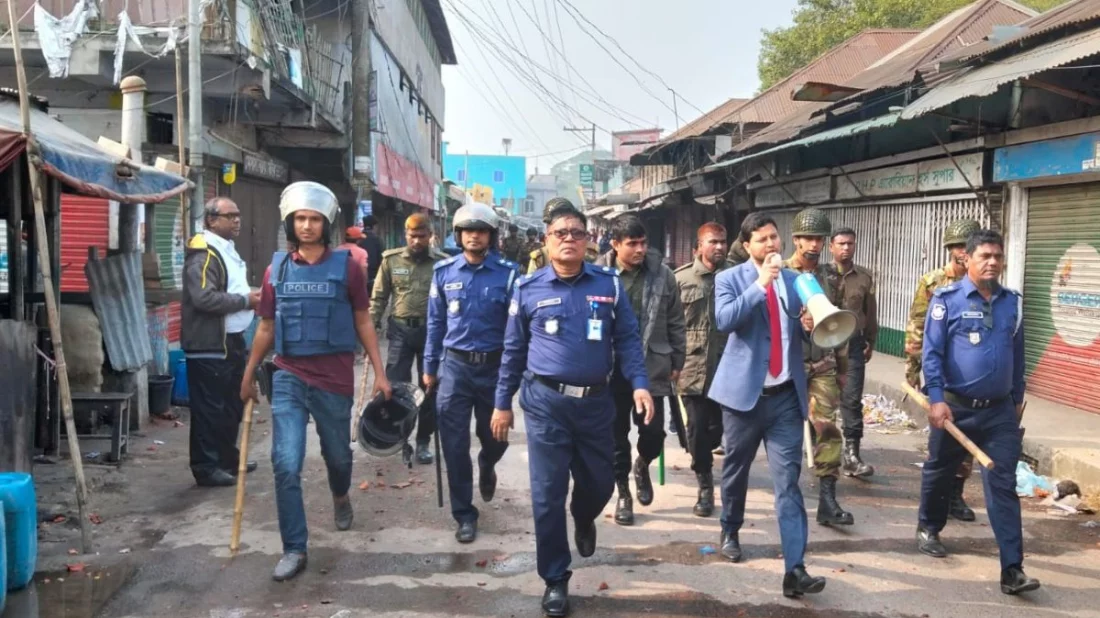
{"x":160,"y":394}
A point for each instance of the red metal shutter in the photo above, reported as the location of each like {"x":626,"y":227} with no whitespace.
{"x":84,"y":223}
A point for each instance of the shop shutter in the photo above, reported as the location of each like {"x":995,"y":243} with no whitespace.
{"x":1062,"y":294}
{"x":168,"y":243}
{"x":84,"y":223}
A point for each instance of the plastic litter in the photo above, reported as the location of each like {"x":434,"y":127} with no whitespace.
{"x":707,"y":550}
{"x":1029,"y":484}
{"x":883,"y":415}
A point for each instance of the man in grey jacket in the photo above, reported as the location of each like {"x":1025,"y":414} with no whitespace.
{"x":655,"y":298}
{"x":216,"y":310}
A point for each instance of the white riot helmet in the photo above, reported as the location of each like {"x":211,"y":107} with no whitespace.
{"x":475,"y":216}
{"x":307,"y":195}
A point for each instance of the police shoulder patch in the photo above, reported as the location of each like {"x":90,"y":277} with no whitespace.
{"x":525,"y":279}
{"x":446,"y":262}
{"x":945,"y":289}
{"x":938,"y":312}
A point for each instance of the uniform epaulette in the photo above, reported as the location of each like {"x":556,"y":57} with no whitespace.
{"x":389,"y":252}
{"x":944,"y":289}
{"x":525,"y":279}
{"x":1011,"y":291}
{"x":684,"y":267}
{"x":508,"y":263}
{"x":603,"y":270}
{"x":446,"y":262}
{"x":438,"y":254}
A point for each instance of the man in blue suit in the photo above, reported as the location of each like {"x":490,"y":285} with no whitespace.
{"x":761,"y":386}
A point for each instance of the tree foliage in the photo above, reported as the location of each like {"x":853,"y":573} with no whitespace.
{"x":820,"y":25}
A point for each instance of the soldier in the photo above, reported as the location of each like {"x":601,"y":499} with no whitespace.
{"x":855,"y":289}
{"x":467,"y":311}
{"x":973,"y":356}
{"x":651,"y":289}
{"x":954,"y":240}
{"x":531,"y":245}
{"x":737,"y":254}
{"x":704,"y":348}
{"x":406,"y":275}
{"x":541,"y":257}
{"x":566,"y":325}
{"x":511,"y":246}
{"x":810,"y":229}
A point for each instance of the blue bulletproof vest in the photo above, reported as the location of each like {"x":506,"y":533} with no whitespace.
{"x":313,"y":312}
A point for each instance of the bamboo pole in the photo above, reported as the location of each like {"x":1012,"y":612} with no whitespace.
{"x":807,"y":436}
{"x":185,"y":216}
{"x":242,"y":472}
{"x":955,"y":432}
{"x":52,"y":314}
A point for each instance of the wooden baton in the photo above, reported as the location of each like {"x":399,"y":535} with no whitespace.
{"x":807,"y":436}
{"x":242,"y":472}
{"x":955,"y":432}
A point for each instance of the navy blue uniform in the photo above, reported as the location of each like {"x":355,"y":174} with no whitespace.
{"x":467,"y":309}
{"x":562,"y":340}
{"x":974,"y":361}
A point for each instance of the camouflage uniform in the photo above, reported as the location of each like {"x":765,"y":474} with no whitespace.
{"x":541,"y":256}
{"x":512,"y":248}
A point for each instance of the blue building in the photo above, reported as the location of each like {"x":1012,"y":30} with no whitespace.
{"x":504,"y":175}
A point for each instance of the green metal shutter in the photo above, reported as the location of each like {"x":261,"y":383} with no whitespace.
{"x":1062,"y":294}
{"x":168,"y":243}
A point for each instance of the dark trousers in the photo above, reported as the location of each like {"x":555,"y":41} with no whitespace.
{"x":214,"y":385}
{"x":406,"y":346}
{"x":565,"y":436}
{"x":651,"y":437}
{"x":777,"y":421}
{"x":851,"y":396}
{"x":997,"y":432}
{"x":704,"y":430}
{"x":466,"y":388}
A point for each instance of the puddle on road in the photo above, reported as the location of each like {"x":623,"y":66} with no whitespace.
{"x":67,"y":595}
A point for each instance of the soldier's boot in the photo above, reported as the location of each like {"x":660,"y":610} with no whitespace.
{"x":829,"y":512}
{"x":624,"y":508}
{"x":704,"y":505}
{"x":642,"y":481}
{"x":852,"y":463}
{"x":958,"y":508}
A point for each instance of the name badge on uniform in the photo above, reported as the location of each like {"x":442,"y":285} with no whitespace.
{"x":973,"y":314}
{"x":453,"y":286}
{"x":595,"y":330}
{"x":453,"y":306}
{"x":401,"y":271}
{"x":552,"y":326}
{"x":975,"y":337}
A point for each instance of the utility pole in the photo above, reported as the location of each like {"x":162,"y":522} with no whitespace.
{"x":674,"y":112}
{"x":194,"y":120}
{"x":361,"y":70}
{"x":584,"y":130}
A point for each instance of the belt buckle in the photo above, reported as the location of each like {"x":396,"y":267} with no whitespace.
{"x":980,"y":403}
{"x":572,"y":391}
{"x":477,"y":358}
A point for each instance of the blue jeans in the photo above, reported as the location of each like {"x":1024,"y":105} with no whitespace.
{"x":293,"y":401}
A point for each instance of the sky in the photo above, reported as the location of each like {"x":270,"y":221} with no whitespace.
{"x":705,"y":50}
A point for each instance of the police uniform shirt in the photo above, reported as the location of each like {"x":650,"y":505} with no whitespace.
{"x":468,"y":306}
{"x":974,"y":348}
{"x":549,"y":331}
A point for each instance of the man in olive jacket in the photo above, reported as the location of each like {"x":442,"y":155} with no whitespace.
{"x":704,"y":349}
{"x":215,"y":312}
{"x":655,"y":299}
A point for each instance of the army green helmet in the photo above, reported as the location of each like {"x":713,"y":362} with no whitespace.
{"x":555,"y":204}
{"x":737,"y":254}
{"x":811,"y":222}
{"x":957,"y":232}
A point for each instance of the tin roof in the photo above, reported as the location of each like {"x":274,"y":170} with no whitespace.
{"x":1059,"y":18}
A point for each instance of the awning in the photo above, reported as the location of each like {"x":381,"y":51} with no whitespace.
{"x":80,"y":163}
{"x":599,"y":210}
{"x":863,"y":126}
{"x":985,"y":80}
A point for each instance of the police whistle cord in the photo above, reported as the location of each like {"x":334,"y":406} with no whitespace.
{"x":242,"y":473}
{"x":950,"y":427}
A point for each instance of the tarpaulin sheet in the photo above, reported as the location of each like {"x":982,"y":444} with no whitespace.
{"x":80,"y":163}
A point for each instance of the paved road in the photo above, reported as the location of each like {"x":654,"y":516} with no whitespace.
{"x":400,"y":558}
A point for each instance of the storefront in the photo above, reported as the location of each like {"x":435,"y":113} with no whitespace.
{"x":1061,"y":273}
{"x":256,"y":189}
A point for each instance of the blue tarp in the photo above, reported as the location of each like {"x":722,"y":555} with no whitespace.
{"x":80,"y":163}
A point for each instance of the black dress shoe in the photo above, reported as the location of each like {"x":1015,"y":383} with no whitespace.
{"x":249,"y":468}
{"x":217,"y":478}
{"x":487,"y":483}
{"x":424,"y":455}
{"x":798,"y":582}
{"x":467,"y":532}
{"x":731,"y":547}
{"x":643,"y":482}
{"x":1014,"y":581}
{"x":929,"y":543}
{"x":555,"y":601}
{"x":585,"y":537}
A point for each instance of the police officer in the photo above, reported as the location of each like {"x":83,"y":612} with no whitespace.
{"x":855,"y":291}
{"x":704,"y":348}
{"x":565,"y":325}
{"x":954,"y":240}
{"x":541,"y":257}
{"x":467,"y":309}
{"x":406,"y":275}
{"x":810,"y":229}
{"x":315,"y":358}
{"x":511,"y":246}
{"x":973,"y":357}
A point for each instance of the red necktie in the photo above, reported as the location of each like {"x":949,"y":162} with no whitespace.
{"x":775,"y":356}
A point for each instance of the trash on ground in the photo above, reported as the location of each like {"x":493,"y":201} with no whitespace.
{"x":1028,"y":484}
{"x":706,"y":550}
{"x":883,"y":415}
{"x":1092,"y":523}
{"x":603,"y":586}
{"x":92,"y":455}
{"x":158,"y":442}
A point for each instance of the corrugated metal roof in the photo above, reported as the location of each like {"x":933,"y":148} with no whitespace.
{"x":706,"y":121}
{"x":1064,"y":16}
{"x":118,"y":296}
{"x":985,"y":80}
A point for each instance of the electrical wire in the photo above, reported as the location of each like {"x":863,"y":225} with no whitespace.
{"x":561,"y":40}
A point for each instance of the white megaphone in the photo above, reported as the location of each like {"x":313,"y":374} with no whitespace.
{"x":833,"y":327}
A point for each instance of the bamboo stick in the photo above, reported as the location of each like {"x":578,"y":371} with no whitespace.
{"x":52,"y":314}
{"x":807,"y":436}
{"x":242,"y":472}
{"x":950,"y":427}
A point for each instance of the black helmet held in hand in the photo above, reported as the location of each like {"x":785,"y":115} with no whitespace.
{"x":385,"y":425}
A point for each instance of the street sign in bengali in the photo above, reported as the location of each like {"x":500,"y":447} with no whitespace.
{"x":586,"y":173}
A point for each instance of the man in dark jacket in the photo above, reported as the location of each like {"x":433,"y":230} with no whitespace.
{"x":216,"y":310}
{"x":373,"y":246}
